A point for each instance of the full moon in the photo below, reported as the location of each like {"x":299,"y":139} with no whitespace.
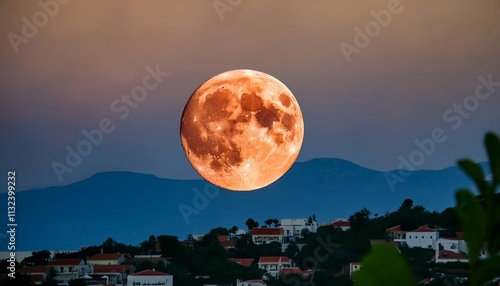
{"x":242,"y":130}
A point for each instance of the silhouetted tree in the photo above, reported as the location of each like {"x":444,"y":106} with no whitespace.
{"x":360,"y":219}
{"x":37,"y":258}
{"x":250,"y":223}
{"x":269,"y":221}
{"x":233,"y":229}
{"x":219,"y":231}
{"x":408,"y":203}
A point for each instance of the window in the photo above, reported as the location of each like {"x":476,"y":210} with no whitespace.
{"x":62,"y":270}
{"x":422,"y":236}
{"x":410,"y":236}
{"x":431,"y":236}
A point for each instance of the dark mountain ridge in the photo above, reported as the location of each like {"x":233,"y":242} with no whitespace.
{"x":129,"y":206}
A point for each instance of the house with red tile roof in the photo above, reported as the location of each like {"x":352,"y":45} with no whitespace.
{"x":455,"y":244}
{"x":267,"y":235}
{"x":423,"y":237}
{"x":106,"y":259}
{"x":342,"y":224}
{"x":68,"y":269}
{"x":247,"y":262}
{"x":37,"y":273}
{"x":226,"y":242}
{"x":116,"y":274}
{"x":304,"y":274}
{"x":273,"y":264}
{"x":150,"y":277}
{"x":395,"y":232}
{"x":449,"y":256}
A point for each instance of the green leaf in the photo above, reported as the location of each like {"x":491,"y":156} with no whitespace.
{"x":492,"y":143}
{"x":473,"y":221}
{"x":476,"y":173}
{"x":384,"y":266}
{"x":489,"y":269}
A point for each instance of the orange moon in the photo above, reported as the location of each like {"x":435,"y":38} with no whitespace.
{"x":242,"y":130}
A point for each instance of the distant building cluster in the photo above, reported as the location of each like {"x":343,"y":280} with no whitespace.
{"x":118,"y":269}
{"x":102,"y":269}
{"x":286,"y":232}
{"x":447,"y":249}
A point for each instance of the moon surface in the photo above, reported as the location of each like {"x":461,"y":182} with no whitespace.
{"x":242,"y":130}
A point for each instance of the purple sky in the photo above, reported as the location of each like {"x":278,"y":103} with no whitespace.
{"x":367,"y":108}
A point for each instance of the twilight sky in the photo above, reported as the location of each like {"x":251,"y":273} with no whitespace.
{"x":69,"y":74}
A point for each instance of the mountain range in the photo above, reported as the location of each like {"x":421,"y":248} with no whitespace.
{"x":129,"y":207}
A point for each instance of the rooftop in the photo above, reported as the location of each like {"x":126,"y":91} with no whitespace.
{"x":447,"y":254}
{"x":242,"y":261}
{"x":106,"y":256}
{"x":341,"y":223}
{"x":65,"y":262}
{"x":274,"y":259}
{"x":150,"y":272}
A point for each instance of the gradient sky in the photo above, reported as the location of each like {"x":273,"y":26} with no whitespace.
{"x":368,"y":111}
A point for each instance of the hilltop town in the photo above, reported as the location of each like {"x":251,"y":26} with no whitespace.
{"x":274,"y":252}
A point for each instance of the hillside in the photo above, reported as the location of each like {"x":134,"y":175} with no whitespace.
{"x":129,"y":206}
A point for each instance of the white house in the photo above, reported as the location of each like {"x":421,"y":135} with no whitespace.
{"x":293,"y":227}
{"x":273,"y":264}
{"x":447,"y":247}
{"x":423,"y":236}
{"x":455,"y":244}
{"x":106,"y":259}
{"x":396,"y":233}
{"x":267,"y":235}
{"x":150,"y":277}
{"x":68,"y":269}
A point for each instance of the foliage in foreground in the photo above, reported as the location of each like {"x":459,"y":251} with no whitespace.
{"x":479,"y":217}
